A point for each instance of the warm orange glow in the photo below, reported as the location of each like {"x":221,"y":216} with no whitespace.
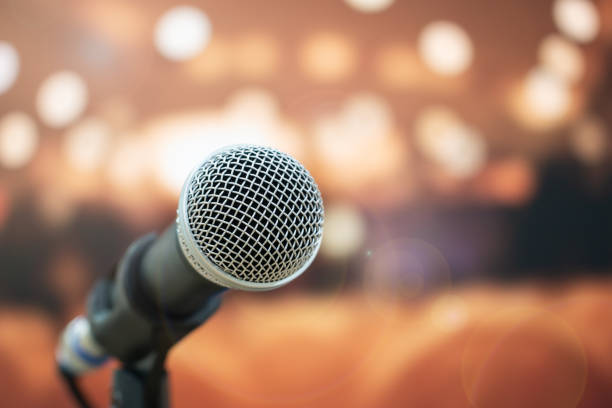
{"x":328,"y":57}
{"x":256,"y":56}
{"x":213,"y":64}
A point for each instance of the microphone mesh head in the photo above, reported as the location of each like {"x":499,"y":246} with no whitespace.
{"x":256,"y":214}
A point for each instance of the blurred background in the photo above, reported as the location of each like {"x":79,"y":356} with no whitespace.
{"x":462,"y":149}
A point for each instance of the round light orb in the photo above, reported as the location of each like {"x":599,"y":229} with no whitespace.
{"x":577,"y":19}
{"x":18,"y":140}
{"x":182,"y":33}
{"x":9,"y":66}
{"x":345,"y":231}
{"x":546,"y":96}
{"x":369,"y":6}
{"x":87,"y":144}
{"x":61,"y":99}
{"x":561,"y":57}
{"x":445,"y":48}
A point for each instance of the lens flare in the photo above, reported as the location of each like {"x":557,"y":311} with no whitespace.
{"x":561,"y":58}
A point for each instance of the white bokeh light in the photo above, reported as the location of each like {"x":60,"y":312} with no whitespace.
{"x":345,"y":231}
{"x":369,"y":6}
{"x":18,"y":139}
{"x":182,"y":33}
{"x":182,"y":141}
{"x":61,"y":99}
{"x":87,"y":144}
{"x":443,"y":138}
{"x":546,"y":96}
{"x":562,"y":58}
{"x":9,"y":66}
{"x":446,"y":48}
{"x":577,"y":19}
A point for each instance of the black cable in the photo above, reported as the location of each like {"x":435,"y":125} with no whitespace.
{"x":73,"y":387}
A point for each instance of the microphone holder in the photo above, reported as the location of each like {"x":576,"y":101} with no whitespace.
{"x":132,"y":389}
{"x":146,"y":330}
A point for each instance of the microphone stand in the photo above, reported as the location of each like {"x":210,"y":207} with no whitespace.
{"x":142,"y":380}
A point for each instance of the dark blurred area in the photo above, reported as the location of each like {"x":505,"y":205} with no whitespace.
{"x":462,"y":149}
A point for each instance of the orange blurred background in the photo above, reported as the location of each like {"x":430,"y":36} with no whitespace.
{"x":462,"y":150}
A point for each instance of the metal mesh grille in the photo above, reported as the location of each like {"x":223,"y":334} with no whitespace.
{"x":255,"y":212}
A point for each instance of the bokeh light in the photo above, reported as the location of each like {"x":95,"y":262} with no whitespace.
{"x":358,"y":145}
{"x":369,"y":6}
{"x":577,"y":19}
{"x":18,"y":139}
{"x":9,"y":66}
{"x":183,"y":140}
{"x":87,"y":144}
{"x":345,"y":231}
{"x":182,"y":33}
{"x":328,"y":57}
{"x":446,"y":48}
{"x":61,"y":98}
{"x":589,"y":140}
{"x":542,"y":101}
{"x":562,"y":58}
{"x":443,"y":138}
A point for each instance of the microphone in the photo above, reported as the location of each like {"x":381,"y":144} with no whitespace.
{"x":249,"y":218}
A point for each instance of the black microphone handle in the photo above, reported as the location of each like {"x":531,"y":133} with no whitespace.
{"x":153,"y":297}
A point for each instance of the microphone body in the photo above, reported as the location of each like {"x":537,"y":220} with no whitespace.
{"x":249,"y":218}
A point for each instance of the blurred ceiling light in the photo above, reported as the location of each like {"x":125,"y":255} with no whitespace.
{"x":18,"y":139}
{"x":345,"y":231}
{"x":562,"y":58}
{"x":256,"y":56}
{"x":577,"y":19}
{"x":213,"y":64}
{"x":182,"y":33}
{"x":446,"y":48}
{"x":369,"y":6}
{"x":358,"y":145}
{"x":9,"y":66}
{"x":444,"y":139}
{"x":589,"y":141}
{"x":61,"y":98}
{"x":398,"y":66}
{"x":545,"y":98}
{"x":86,"y":145}
{"x":328,"y":57}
